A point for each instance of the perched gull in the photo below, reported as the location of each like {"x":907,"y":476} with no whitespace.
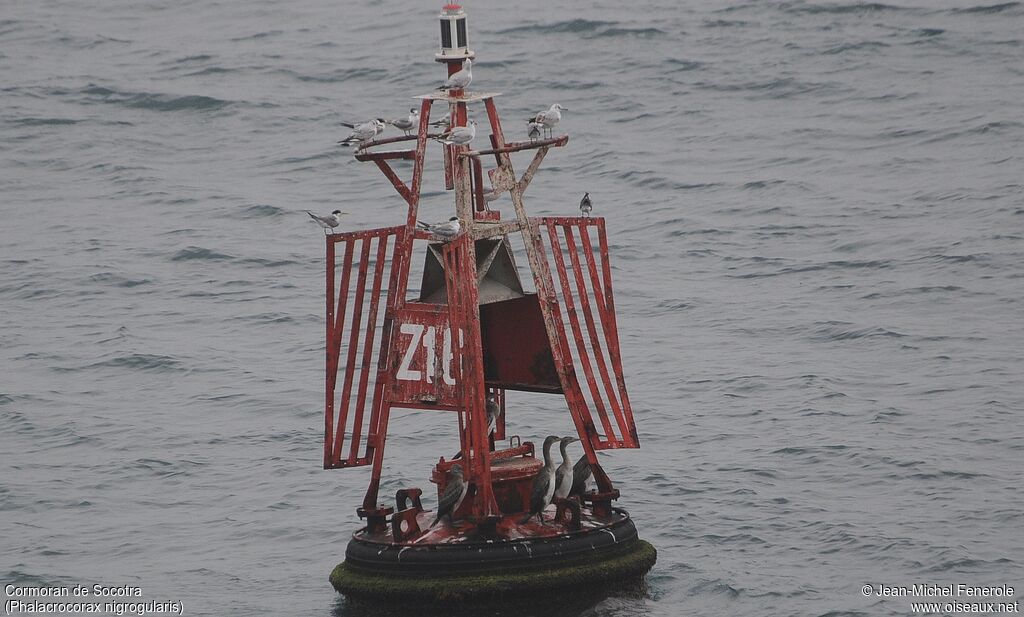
{"x":329,"y":221}
{"x":446,"y":230}
{"x":445,"y":120}
{"x":585,"y":205}
{"x":363,"y":131}
{"x":533,"y":130}
{"x":453,"y":495}
{"x":406,"y":124}
{"x":459,"y":79}
{"x":549,"y":118}
{"x":459,"y":135}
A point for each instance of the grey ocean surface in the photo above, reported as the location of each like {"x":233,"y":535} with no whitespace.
{"x":816,"y":212}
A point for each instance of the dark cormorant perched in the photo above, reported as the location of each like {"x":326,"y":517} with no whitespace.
{"x":493,"y":411}
{"x":581,"y":473}
{"x":563,"y":475}
{"x":543,"y":484}
{"x":452,"y":496}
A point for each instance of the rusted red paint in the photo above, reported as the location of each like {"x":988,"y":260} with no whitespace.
{"x":450,"y":356}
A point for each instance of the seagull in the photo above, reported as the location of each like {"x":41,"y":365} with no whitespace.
{"x":453,"y":495}
{"x":406,"y":124}
{"x":585,"y":205}
{"x":581,"y":473}
{"x":459,"y":79}
{"x":563,"y":475}
{"x":329,"y":221}
{"x":533,"y":130}
{"x":459,"y":135}
{"x":363,"y":131}
{"x":543,"y":484}
{"x":447,"y":230}
{"x":445,"y":121}
{"x":549,"y":118}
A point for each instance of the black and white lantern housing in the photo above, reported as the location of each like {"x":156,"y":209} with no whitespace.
{"x":454,"y":36}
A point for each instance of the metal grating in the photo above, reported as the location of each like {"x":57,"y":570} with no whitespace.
{"x":355,"y":324}
{"x":583,"y":308}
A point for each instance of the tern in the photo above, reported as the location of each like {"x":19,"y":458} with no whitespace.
{"x":406,"y":124}
{"x":329,"y":221}
{"x":446,"y":230}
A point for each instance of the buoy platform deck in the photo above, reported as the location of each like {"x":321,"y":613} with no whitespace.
{"x":521,"y":561}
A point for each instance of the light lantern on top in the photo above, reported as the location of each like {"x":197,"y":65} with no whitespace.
{"x":454,"y":37}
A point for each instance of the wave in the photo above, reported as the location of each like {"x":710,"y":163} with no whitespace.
{"x":261,"y":210}
{"x":155,"y":101}
{"x":198,"y":252}
{"x":594,"y":28}
{"x":842,"y":9}
{"x":140,"y":361}
{"x":987,"y":8}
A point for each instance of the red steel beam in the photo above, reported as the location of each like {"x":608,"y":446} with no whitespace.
{"x":517,"y":146}
{"x":328,"y":390}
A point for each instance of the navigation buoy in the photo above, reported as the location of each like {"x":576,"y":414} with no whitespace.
{"x":470,"y":336}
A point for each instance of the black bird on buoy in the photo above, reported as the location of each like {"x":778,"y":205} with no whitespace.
{"x":581,"y":473}
{"x":543,"y":484}
{"x":563,"y":475}
{"x":452,"y":496}
{"x":585,"y":206}
{"x":493,"y":411}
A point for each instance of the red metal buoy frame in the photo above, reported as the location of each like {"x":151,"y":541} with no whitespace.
{"x":450,"y":351}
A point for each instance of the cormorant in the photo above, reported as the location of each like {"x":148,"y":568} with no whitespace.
{"x":581,"y":473}
{"x":563,"y":475}
{"x":452,"y":496}
{"x":493,"y":411}
{"x":543,"y":484}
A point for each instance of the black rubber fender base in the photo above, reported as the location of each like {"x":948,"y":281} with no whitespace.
{"x":570,"y":579}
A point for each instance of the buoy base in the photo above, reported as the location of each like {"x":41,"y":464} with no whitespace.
{"x":580,"y":578}
{"x":567,"y":580}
